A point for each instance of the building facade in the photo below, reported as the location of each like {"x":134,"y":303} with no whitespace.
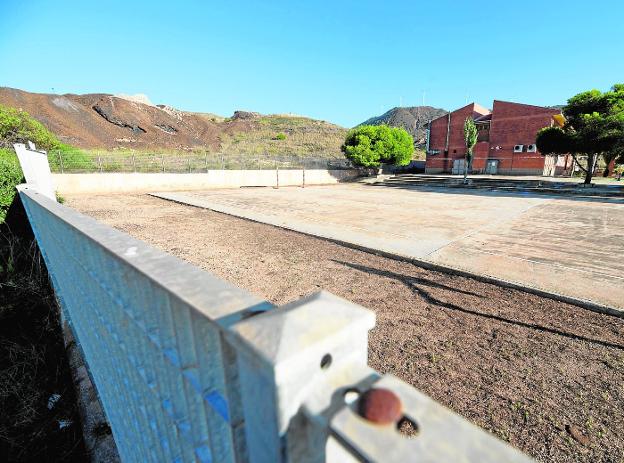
{"x":505,"y":143}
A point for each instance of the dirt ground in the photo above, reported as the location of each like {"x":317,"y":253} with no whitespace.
{"x":546,"y":376}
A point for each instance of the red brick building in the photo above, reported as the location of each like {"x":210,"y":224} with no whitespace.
{"x":505,"y":143}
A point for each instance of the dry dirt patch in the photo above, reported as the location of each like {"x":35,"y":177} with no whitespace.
{"x":544,"y":375}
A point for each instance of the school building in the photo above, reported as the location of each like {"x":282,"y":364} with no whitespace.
{"x":505,"y":143}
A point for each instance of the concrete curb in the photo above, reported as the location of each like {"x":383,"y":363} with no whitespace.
{"x":583,"y":303}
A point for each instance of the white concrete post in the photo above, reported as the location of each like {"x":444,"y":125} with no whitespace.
{"x":306,"y":349}
{"x":36,"y":169}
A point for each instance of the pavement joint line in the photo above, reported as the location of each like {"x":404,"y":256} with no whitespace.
{"x":486,"y":227}
{"x":554,"y":264}
{"x":427,"y":264}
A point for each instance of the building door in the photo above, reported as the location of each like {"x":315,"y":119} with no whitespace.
{"x":491,"y":167}
{"x":458,"y":166}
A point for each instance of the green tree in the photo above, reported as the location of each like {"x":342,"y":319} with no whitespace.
{"x":594,"y":127}
{"x":470,"y":139}
{"x":371,"y":145}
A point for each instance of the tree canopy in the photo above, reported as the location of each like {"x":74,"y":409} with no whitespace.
{"x":594,"y":126}
{"x":470,"y":136}
{"x":470,"y":140}
{"x":371,"y":145}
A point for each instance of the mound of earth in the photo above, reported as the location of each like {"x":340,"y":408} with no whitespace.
{"x":106,"y":121}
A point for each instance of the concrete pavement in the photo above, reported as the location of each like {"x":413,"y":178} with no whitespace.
{"x":557,"y":245}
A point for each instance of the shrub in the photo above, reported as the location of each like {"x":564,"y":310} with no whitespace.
{"x":371,"y":145}
{"x":10,"y":176}
{"x":19,"y":127}
{"x":280,"y":136}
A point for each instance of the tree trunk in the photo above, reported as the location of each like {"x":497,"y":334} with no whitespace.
{"x":466,"y":161}
{"x":590,"y":168}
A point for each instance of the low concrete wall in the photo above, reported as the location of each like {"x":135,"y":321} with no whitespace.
{"x":140,"y":182}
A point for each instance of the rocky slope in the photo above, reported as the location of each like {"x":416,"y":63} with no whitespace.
{"x":106,"y":121}
{"x":413,"y":119}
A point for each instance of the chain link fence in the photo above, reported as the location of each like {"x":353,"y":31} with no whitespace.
{"x":94,"y":162}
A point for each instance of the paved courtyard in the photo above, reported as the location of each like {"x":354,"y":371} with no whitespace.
{"x":557,"y":244}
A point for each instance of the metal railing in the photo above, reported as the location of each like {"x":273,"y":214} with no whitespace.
{"x":191,"y":368}
{"x":194,"y":162}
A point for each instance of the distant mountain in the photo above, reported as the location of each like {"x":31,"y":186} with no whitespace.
{"x":413,"y":119}
{"x":101,"y":120}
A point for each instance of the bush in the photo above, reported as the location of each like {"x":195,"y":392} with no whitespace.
{"x":371,"y":145}
{"x":19,"y":127}
{"x":280,"y":136}
{"x":10,"y":176}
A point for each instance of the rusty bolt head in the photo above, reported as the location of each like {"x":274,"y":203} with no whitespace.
{"x":381,"y":406}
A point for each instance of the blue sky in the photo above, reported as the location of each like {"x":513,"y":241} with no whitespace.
{"x":341,"y":61}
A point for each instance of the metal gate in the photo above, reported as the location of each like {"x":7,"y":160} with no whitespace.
{"x":458,"y":166}
{"x":491,"y":167}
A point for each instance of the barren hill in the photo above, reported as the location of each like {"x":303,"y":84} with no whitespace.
{"x":413,"y":119}
{"x":106,"y":121}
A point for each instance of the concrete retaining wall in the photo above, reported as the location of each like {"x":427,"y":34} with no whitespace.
{"x":140,"y":182}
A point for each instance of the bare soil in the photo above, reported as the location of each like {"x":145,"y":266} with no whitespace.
{"x":546,"y":376}
{"x":106,"y":121}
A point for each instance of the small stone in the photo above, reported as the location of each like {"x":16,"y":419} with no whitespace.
{"x":577,"y":434}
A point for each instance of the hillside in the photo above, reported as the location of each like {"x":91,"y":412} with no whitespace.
{"x":413,"y":119}
{"x":106,"y":121}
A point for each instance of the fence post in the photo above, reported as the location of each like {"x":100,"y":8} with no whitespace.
{"x":222,"y":163}
{"x":189,"y":164}
{"x":206,"y":160}
{"x":61,"y":161}
{"x":133,"y":163}
{"x":276,"y":174}
{"x":100,"y":162}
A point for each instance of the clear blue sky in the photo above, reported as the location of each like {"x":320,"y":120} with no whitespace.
{"x":341,"y":61}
